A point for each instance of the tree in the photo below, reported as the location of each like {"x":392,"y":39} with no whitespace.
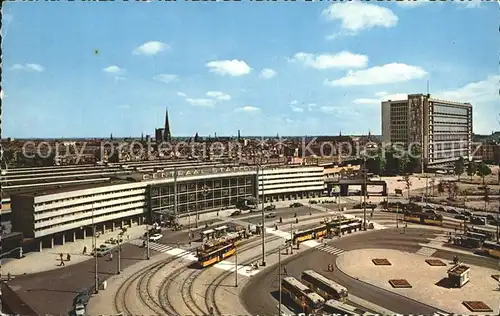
{"x":459,"y":167}
{"x":407,"y":183}
{"x":471,"y":169}
{"x":440,"y":187}
{"x":483,"y":170}
{"x":486,"y":197}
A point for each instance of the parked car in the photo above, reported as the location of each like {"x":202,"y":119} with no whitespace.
{"x":270,"y":215}
{"x":440,"y":209}
{"x":296,"y":204}
{"x":236,"y":213}
{"x":270,"y":207}
{"x":460,"y":216}
{"x":313,"y":202}
{"x":155,"y":237}
{"x":102,"y":251}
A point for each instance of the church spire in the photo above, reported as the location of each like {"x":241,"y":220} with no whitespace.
{"x":167,"y":135}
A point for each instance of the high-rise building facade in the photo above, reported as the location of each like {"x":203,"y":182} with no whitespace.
{"x":442,"y":129}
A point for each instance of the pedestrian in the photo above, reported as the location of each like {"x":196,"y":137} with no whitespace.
{"x":62,"y":262}
{"x":285,"y":271}
{"x":110,"y":256}
{"x":61,"y":256}
{"x":275,"y":226}
{"x":281,"y":220}
{"x":9,"y":276}
{"x":296,"y":220}
{"x":68,"y":257}
{"x":84,"y":250}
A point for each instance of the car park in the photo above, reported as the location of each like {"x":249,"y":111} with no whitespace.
{"x":155,"y":237}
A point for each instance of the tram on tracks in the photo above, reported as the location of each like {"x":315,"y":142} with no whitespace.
{"x":334,"y":307}
{"x":208,"y":256}
{"x":423,"y":218}
{"x":309,"y":301}
{"x":339,"y":226}
{"x":328,"y":289}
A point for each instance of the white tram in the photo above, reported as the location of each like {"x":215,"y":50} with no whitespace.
{"x":309,"y":301}
{"x":325,"y":287}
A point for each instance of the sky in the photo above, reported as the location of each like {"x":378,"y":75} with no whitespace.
{"x":86,"y":69}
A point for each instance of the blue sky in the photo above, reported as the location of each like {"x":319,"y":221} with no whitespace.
{"x":265,"y":68}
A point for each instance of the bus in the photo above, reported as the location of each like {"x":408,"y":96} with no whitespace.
{"x":466,"y":241}
{"x":325,"y":287}
{"x":489,"y":234}
{"x":492,"y":248}
{"x":333,"y":307}
{"x":424,"y":218}
{"x":210,"y":256}
{"x":303,"y":296}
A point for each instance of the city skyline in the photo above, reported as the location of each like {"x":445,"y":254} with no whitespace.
{"x":318,"y":70}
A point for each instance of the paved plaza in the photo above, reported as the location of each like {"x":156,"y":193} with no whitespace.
{"x":423,"y":278}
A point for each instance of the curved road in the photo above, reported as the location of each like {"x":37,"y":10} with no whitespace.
{"x":258,"y":295}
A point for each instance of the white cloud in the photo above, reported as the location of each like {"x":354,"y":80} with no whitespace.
{"x":389,"y":73}
{"x":181,"y":94}
{"x":248,"y":109}
{"x":267,"y":73}
{"x":28,"y":67}
{"x":150,"y":48}
{"x":411,"y":3}
{"x":201,"y":102}
{"x":340,"y":60}
{"x":470,"y":4}
{"x":113,"y":69}
{"x":475,"y":92}
{"x":297,"y":109}
{"x":382,"y":96}
{"x":356,"y":16}
{"x":233,"y":67}
{"x":166,"y":78}
{"x":294,"y":102}
{"x":341,"y":111}
{"x":218,"y":95}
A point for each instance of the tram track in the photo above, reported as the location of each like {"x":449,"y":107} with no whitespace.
{"x":211,"y":290}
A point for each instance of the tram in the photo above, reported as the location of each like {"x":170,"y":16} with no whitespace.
{"x":424,"y":218}
{"x":309,"y":301}
{"x":322,"y":285}
{"x":492,"y":248}
{"x":209,"y":256}
{"x":303,"y":235}
{"x":488,"y":235}
{"x":333,"y":307}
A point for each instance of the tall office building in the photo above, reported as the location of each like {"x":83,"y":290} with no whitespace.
{"x":443,"y":129}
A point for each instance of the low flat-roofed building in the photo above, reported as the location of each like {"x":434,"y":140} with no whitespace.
{"x":64,"y":214}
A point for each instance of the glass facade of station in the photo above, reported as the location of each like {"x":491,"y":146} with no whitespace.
{"x":201,"y":194}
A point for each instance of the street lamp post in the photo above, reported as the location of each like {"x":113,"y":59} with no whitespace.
{"x":263,"y":220}
{"x":279,"y":281}
{"x":147,"y":242}
{"x":236,"y":267}
{"x":363,"y":190}
{"x":118,"y":262}
{"x":94,"y":250}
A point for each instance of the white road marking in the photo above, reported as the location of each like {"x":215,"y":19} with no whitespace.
{"x":426,"y":251}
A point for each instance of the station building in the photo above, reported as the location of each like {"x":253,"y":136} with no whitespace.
{"x":58,"y":215}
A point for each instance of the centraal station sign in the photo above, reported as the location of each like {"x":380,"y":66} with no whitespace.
{"x":195,"y":172}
